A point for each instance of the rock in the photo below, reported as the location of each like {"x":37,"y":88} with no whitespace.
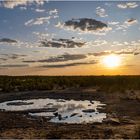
{"x":61,"y":100}
{"x":55,"y":114}
{"x":97,"y":123}
{"x":88,"y":110}
{"x":74,"y":114}
{"x":19,"y":103}
{"x":65,"y":117}
{"x":39,"y":110}
{"x":127,"y":121}
{"x":59,"y":116}
{"x":91,"y":102}
{"x":114,"y":121}
{"x":117,"y":136}
{"x":112,"y":115}
{"x":49,"y":104}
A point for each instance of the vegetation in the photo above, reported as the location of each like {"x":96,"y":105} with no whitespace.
{"x":25,"y":83}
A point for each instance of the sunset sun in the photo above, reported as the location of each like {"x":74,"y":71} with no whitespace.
{"x":112,"y":61}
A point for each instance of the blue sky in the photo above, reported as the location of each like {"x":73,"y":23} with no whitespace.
{"x":47,"y":38}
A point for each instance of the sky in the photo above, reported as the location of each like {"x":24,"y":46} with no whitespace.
{"x":40,"y":37}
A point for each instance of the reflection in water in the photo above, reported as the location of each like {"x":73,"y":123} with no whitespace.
{"x":59,"y":110}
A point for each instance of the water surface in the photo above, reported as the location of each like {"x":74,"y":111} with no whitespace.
{"x":59,"y":110}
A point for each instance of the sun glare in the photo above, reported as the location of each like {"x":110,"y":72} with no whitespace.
{"x":112,"y":61}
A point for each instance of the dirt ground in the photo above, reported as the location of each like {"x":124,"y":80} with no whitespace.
{"x":122,"y":108}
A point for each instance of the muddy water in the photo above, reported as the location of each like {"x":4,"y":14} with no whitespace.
{"x":59,"y":110}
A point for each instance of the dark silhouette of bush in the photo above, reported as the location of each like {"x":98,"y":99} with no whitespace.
{"x":108,"y":83}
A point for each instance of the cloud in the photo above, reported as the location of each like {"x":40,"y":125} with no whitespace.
{"x":131,"y":46}
{"x":96,"y":43}
{"x":7,"y":40}
{"x":14,"y":3}
{"x":40,"y":10}
{"x":121,"y":52}
{"x":13,"y":66}
{"x":52,"y":14}
{"x":18,"y":43}
{"x":38,"y":21}
{"x":12,"y":56}
{"x":60,"y":58}
{"x":23,"y":8}
{"x":58,"y":61}
{"x":100,"y":53}
{"x":3,"y":59}
{"x":76,"y":57}
{"x":66,"y":57}
{"x":126,"y":24}
{"x":101,"y":12}
{"x":85,"y":25}
{"x":127,"y":5}
{"x":68,"y":65}
{"x":131,"y":21}
{"x":61,"y":43}
{"x":126,"y":52}
{"x":43,"y":36}
{"x":136,"y":53}
{"x":113,"y":22}
{"x":16,"y":56}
